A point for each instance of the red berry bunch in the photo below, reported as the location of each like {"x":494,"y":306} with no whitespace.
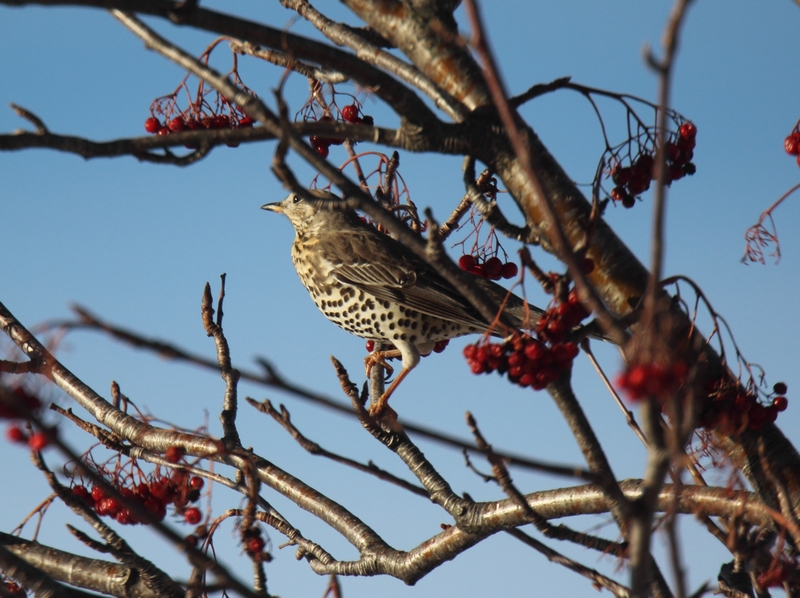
{"x":731,"y":407}
{"x":792,"y":143}
{"x":350,"y":115}
{"x":526,"y":360}
{"x":154,"y":495}
{"x":194,"y":120}
{"x":36,"y":441}
{"x":631,"y":181}
{"x":17,"y":403}
{"x":656,"y":380}
{"x":554,"y":324}
{"x":207,"y":109}
{"x":492,"y":268}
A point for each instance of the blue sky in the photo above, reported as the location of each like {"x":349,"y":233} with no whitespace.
{"x":136,"y":242}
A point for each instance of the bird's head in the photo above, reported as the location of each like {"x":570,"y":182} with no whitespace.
{"x":303,"y":214}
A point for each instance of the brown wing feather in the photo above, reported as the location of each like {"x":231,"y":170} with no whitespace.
{"x":388,"y":270}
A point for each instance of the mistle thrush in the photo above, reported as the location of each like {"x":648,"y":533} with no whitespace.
{"x":374,"y":287}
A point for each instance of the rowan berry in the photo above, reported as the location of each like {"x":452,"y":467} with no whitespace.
{"x":152,"y":125}
{"x":192,"y":516}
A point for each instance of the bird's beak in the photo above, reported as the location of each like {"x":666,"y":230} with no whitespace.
{"x":273,"y":207}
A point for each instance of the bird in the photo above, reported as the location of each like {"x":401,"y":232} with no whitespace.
{"x":373,"y":286}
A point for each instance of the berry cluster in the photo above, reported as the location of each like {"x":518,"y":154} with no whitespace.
{"x":15,"y":404}
{"x":36,"y":441}
{"x":792,"y":143}
{"x":656,"y":380}
{"x":631,"y":181}
{"x":732,"y":407}
{"x":196,"y":120}
{"x":154,"y":495}
{"x":526,"y":360}
{"x":554,"y":324}
{"x":207,"y":108}
{"x":493,"y":268}
{"x":350,"y":115}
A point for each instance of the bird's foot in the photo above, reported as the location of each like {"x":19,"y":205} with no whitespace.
{"x":379,"y":358}
{"x":377,"y":408}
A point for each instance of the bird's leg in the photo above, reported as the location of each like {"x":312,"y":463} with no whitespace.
{"x":377,"y":408}
{"x":379,"y":358}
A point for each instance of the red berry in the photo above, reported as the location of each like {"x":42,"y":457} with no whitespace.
{"x":675,"y":172}
{"x":38,"y":441}
{"x":535,"y":350}
{"x":192,"y":540}
{"x":125,"y":517}
{"x":255,"y":545}
{"x":510,"y":270}
{"x":350,"y":113}
{"x":108,"y":506}
{"x":176,"y":125}
{"x":82,"y":492}
{"x":152,"y":125}
{"x":196,"y":483}
{"x":163,"y":131}
{"x":470,"y":351}
{"x":672,"y":152}
{"x":689,"y":168}
{"x":370,"y":346}
{"x":628,"y":201}
{"x":245,"y":122}
{"x":440,"y":346}
{"x":780,"y":403}
{"x":192,"y":516}
{"x":482,"y":354}
{"x":98,"y":493}
{"x":477,"y":367}
{"x":644,"y":164}
{"x":479,"y":270}
{"x":571,"y":349}
{"x":173,"y":454}
{"x":320,"y":145}
{"x":688,"y":130}
{"x":780,"y":388}
{"x":687,"y":149}
{"x":621,"y":175}
{"x":494,"y":268}
{"x":770,"y":414}
{"x":527,"y":379}
{"x":466,"y":262}
{"x":222,"y":121}
{"x":792,"y":144}
{"x":16,"y":434}
{"x":638,"y":185}
{"x":162,"y":490}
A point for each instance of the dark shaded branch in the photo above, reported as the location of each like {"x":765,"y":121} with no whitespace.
{"x":104,"y":577}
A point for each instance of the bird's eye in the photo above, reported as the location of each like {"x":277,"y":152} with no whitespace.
{"x":297,"y":199}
